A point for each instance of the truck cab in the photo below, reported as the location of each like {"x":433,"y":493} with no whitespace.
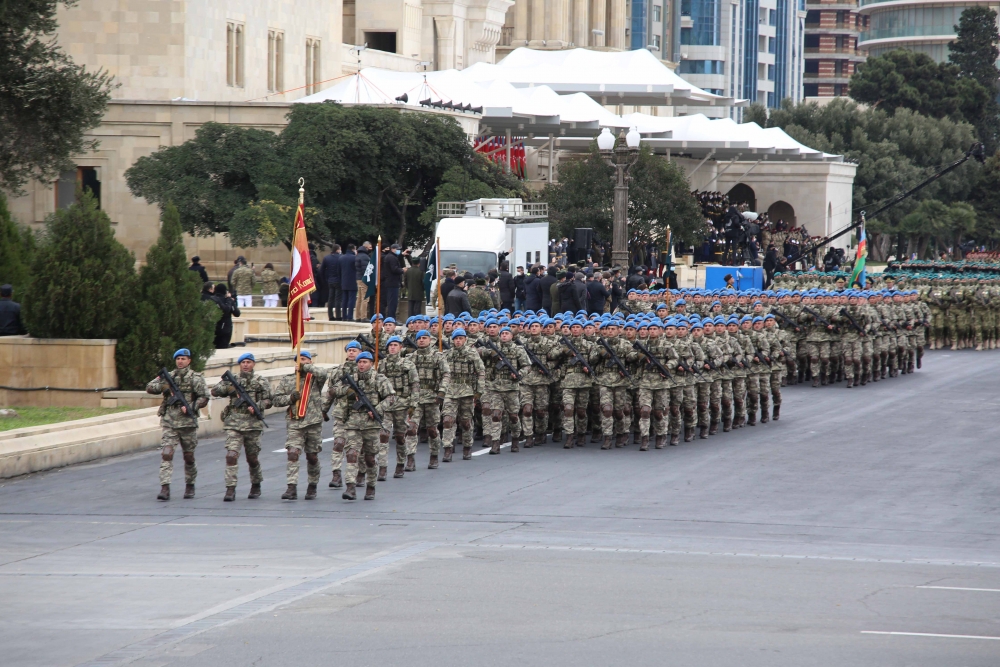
{"x":475,"y":236}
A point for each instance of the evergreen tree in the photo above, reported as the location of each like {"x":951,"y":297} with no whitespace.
{"x":16,"y":248}
{"x":170,"y":313}
{"x":975,"y":52}
{"x":83,"y":279}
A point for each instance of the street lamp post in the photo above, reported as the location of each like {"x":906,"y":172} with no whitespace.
{"x":621,"y":158}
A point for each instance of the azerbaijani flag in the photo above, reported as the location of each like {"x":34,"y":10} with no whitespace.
{"x":302,"y":282}
{"x":859,"y":259}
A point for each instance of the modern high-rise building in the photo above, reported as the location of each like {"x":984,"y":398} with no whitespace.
{"x":831,"y":45}
{"x":916,"y":25}
{"x":655,"y":25}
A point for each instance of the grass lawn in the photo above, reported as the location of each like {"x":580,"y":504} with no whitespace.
{"x":38,"y":416}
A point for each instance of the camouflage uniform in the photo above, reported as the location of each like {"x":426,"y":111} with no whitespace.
{"x":817,"y":341}
{"x":435,"y":376}
{"x":575,"y":386}
{"x":242,"y":428}
{"x":535,"y":392}
{"x":717,"y":353}
{"x":654,"y":389}
{"x":738,"y":390}
{"x":402,"y":373}
{"x":468,"y":378}
{"x":502,"y":397}
{"x":614,"y":400}
{"x":364,"y":434}
{"x":684,"y":392}
{"x":305,"y":433}
{"x":243,"y":280}
{"x":759,"y":388}
{"x":479,"y":300}
{"x":340,"y":409}
{"x":268,"y":281}
{"x":179,"y":428}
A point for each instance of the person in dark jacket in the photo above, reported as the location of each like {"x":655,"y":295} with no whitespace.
{"x":566,"y":299}
{"x":360,"y":264}
{"x":532,"y":296}
{"x":330,"y":268}
{"x":770,"y":264}
{"x":224,"y":327}
{"x":198,"y":268}
{"x":415,"y":287}
{"x":10,"y":313}
{"x":547,"y":281}
{"x":507,"y":287}
{"x":636,"y":278}
{"x":457,"y":301}
{"x":580,"y":295}
{"x":348,"y":283}
{"x":318,"y":298}
{"x":555,"y":302}
{"x":597,"y":293}
{"x":392,"y":279}
{"x":519,"y":291}
{"x":446,"y":287}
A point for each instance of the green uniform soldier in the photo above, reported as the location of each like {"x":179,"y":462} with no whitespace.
{"x":340,"y":408}
{"x":303,"y":433}
{"x":468,"y":381}
{"x":479,"y":298}
{"x":179,"y":427}
{"x":243,"y":280}
{"x":502,"y":398}
{"x":402,"y":373}
{"x":535,"y":387}
{"x":242,"y":426}
{"x":613,"y":384}
{"x":654,"y":388}
{"x":576,"y":382}
{"x":435,"y":377}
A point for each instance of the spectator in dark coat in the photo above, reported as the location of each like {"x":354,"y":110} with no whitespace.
{"x":597,"y":293}
{"x":415,"y":287}
{"x":446,"y":286}
{"x":506,"y":286}
{"x":198,"y":268}
{"x":360,"y":264}
{"x":457,"y":301}
{"x":547,"y":281}
{"x":224,"y":327}
{"x":10,"y":313}
{"x":348,"y":284}
{"x":318,"y":298}
{"x":637,"y":278}
{"x":519,"y":291}
{"x":532,"y":296}
{"x":392,"y":280}
{"x":330,"y":268}
{"x":566,"y":299}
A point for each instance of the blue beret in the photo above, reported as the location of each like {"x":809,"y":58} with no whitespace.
{"x":245,"y":356}
{"x":376,"y":316}
{"x":306,"y":353}
{"x":395,"y":339}
{"x":353,"y":344}
{"x":389,"y":319}
{"x":458,"y":332}
{"x":680,"y":302}
{"x":696,"y":325}
{"x":183,"y":352}
{"x":365,"y":355}
{"x":422,"y":334}
{"x":505,"y":329}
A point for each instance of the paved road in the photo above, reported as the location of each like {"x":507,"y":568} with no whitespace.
{"x":866,"y":511}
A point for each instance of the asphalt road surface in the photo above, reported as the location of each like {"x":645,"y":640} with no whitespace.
{"x":861,"y":529}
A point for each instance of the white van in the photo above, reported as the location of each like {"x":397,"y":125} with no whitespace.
{"x":474,"y":235}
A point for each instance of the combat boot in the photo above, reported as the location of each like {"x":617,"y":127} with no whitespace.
{"x":399,"y":471}
{"x":765,"y":415}
{"x":513,"y":444}
{"x":349,"y":493}
{"x":822,"y":380}
{"x":311,"y":492}
{"x":703,"y":433}
{"x":727,"y":424}
{"x":291,"y":493}
{"x":713,"y":428}
{"x":661,"y":442}
{"x":688,"y":433}
{"x":254,"y":492}
{"x":433,"y":463}
{"x":644,"y":444}
{"x":383,"y":472}
{"x":850,"y":383}
{"x":556,"y":436}
{"x":777,"y":411}
{"x":569,"y":442}
{"x":411,"y":463}
{"x":230,"y":494}
{"x":494,"y":446}
{"x":607,"y":442}
{"x":448,"y":451}
{"x":164,"y":492}
{"x":816,"y":382}
{"x":360,"y":479}
{"x":596,"y":437}
{"x":621,"y":440}
{"x":466,"y":453}
{"x":370,"y":493}
{"x":751,"y":420}
{"x":529,"y":442}
{"x":189,"y":491}
{"x":336,"y":482}
{"x":541,"y":439}
{"x":675,"y":439}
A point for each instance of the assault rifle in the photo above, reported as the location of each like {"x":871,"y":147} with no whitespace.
{"x":176,"y":395}
{"x":651,"y":359}
{"x":733,"y":361}
{"x":820,"y":318}
{"x":603,"y":342}
{"x":760,"y":355}
{"x":686,"y":367}
{"x":845,"y":313}
{"x":504,"y":362}
{"x":536,"y":361}
{"x":408,"y":342}
{"x":365,"y":340}
{"x":577,"y":357}
{"x":363,"y":401}
{"x":243,"y":398}
{"x":795,"y":327}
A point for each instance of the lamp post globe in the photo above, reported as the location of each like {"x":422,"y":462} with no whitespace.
{"x":605,"y":140}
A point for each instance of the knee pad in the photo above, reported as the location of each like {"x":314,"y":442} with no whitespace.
{"x":400,"y":439}
{"x":313,"y":459}
{"x":658,"y":415}
{"x":232,"y":458}
{"x":383,"y":437}
{"x":370,"y":460}
{"x":568,"y":411}
{"x":167,"y":453}
{"x":339,"y":444}
{"x":432,"y":432}
{"x":293,"y":455}
{"x":512,"y":416}
{"x":627,"y":410}
{"x":618,"y":414}
{"x":814,"y":360}
{"x":411,"y":428}
{"x":607,"y":410}
{"x":644,"y":412}
{"x":466,"y":424}
{"x":449,"y":421}
{"x":352,"y":457}
{"x":252,"y":461}
{"x":527,"y":409}
{"x":189,"y":458}
{"x":496,"y":415}
{"x":581,"y":413}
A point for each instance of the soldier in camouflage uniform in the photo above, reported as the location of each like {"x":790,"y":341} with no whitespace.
{"x":364,"y":434}
{"x":179,"y":428}
{"x":340,"y":407}
{"x":717,"y":353}
{"x":479,"y":298}
{"x":242,"y":426}
{"x":779,"y":353}
{"x":613,"y":385}
{"x":759,"y":390}
{"x":693,"y":358}
{"x":243,"y":280}
{"x":402,"y":373}
{"x":535,"y":387}
{"x":468,"y":381}
{"x":654,"y":388}
{"x":575,"y":384}
{"x":306,"y":432}
{"x":434,"y":376}
{"x":502,"y":397}
{"x":740,"y":369}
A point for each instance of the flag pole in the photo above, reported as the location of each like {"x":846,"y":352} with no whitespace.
{"x":437,"y":264}
{"x":298,"y":343}
{"x":378,"y":295}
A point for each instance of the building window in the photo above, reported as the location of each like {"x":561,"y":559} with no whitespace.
{"x":234,"y":54}
{"x":770,"y":44}
{"x":312,"y":66}
{"x":657,"y":13}
{"x":770,"y":100}
{"x":701,"y":67}
{"x":656,"y":42}
{"x":381,"y":41}
{"x":772,"y":18}
{"x":705,"y":14}
{"x":84,"y":178}
{"x":770,"y":72}
{"x":811,"y":89}
{"x":812,"y":67}
{"x":275,"y":61}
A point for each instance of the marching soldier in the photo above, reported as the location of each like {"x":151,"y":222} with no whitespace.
{"x":303,"y":422}
{"x":402,"y":373}
{"x":435,"y":377}
{"x":243,"y":425}
{"x":502,"y":398}
{"x":613,"y":380}
{"x":340,"y":407}
{"x":468,"y":381}
{"x":535,"y":383}
{"x":576,"y":353}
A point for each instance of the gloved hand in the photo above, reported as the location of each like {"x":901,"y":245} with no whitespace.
{"x":295,"y":396}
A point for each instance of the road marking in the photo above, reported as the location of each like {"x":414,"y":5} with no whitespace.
{"x":958,"y":588}
{"x":265,"y":601}
{"x":925,"y":634}
{"x":284,"y":450}
{"x":485,"y":450}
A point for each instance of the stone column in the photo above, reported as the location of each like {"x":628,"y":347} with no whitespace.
{"x":559,"y":30}
{"x":520,"y":22}
{"x":598,"y":11}
{"x":581,"y":23}
{"x":615,"y":37}
{"x":445,"y":26}
{"x":537,"y":31}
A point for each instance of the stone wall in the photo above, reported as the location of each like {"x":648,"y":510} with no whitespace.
{"x":31,"y":363}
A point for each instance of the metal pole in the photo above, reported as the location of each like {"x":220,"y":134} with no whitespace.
{"x":552,"y":154}
{"x":508,"y":150}
{"x":437,"y":263}
{"x":378,"y":296}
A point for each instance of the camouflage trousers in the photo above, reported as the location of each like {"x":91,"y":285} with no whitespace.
{"x":715,"y":400}
{"x":362,"y":450}
{"x":496,"y":406}
{"x":682,"y":398}
{"x":776,"y":387}
{"x":250,"y":441}
{"x":653,"y":403}
{"x":739,"y":396}
{"x":574,"y":409}
{"x":428,"y":416}
{"x":852,"y":357}
{"x":339,"y":442}
{"x":534,"y":409}
{"x":594,"y":411}
{"x":458,"y":412}
{"x":404,"y":432}
{"x":187,"y":440}
{"x":556,"y":406}
{"x":703,"y":396}
{"x":616,"y":410}
{"x":758,"y":392}
{"x":819,"y":356}
{"x":310,"y":439}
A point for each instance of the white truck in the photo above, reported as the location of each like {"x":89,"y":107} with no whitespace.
{"x":474,"y":235}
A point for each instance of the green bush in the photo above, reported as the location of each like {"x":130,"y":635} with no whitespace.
{"x":83,"y":281}
{"x":170,"y":313}
{"x":16,"y":249}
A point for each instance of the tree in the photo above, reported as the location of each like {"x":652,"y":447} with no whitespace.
{"x":83,"y":279}
{"x":975,"y":53}
{"x":902,"y":79}
{"x":482,"y":180}
{"x":170,"y":313}
{"x":659,"y":195}
{"x":934,"y":226}
{"x":47,"y":102}
{"x":16,"y":249}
